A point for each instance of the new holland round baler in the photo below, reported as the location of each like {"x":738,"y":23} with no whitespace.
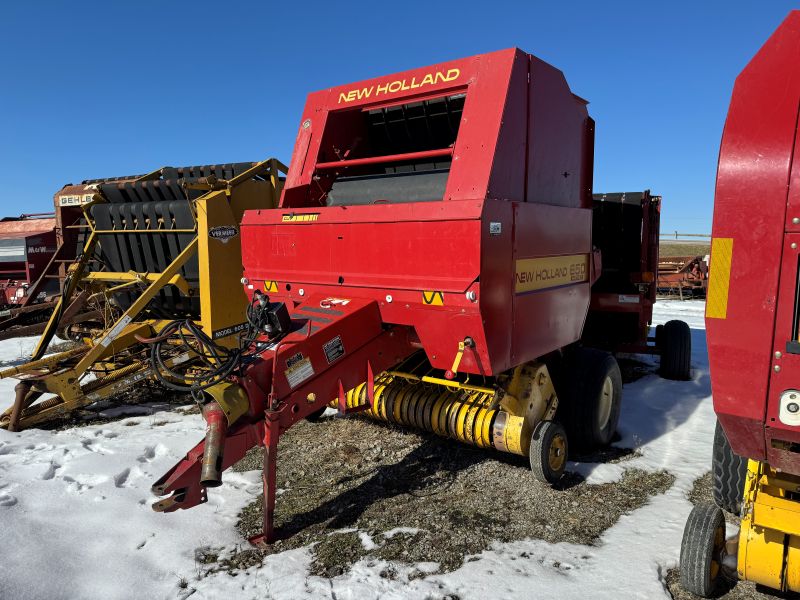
{"x":430,"y":263}
{"x":753,"y":331}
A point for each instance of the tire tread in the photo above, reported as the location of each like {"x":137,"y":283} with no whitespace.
{"x":676,"y":350}
{"x":697,"y":548}
{"x":727,"y":474}
{"x":589,"y":368}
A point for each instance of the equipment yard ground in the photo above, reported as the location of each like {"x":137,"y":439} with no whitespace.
{"x":369,"y":510}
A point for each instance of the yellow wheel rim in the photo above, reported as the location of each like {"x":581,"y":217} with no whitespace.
{"x":557,"y":455}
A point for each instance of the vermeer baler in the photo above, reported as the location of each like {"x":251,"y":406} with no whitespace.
{"x":431,"y":263}
{"x":753,"y":329}
{"x":159,"y":255}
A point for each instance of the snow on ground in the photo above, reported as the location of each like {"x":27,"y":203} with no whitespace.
{"x":76,"y":520}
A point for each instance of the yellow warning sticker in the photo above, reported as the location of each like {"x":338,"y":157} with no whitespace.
{"x":433,"y":298}
{"x":299,"y":371}
{"x":271,"y":286}
{"x":550,"y":271}
{"x":306,"y":218}
{"x":719,"y":278}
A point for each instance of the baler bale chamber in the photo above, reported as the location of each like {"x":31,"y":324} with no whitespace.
{"x":430,"y":263}
{"x":753,"y":333}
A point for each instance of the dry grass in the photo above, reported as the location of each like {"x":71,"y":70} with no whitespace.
{"x":673,"y":249}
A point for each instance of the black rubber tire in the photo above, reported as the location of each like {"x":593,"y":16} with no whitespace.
{"x":676,"y":351}
{"x":544,"y":437}
{"x":584,"y":374}
{"x":316,"y":416}
{"x":659,"y":335}
{"x":700,"y":549}
{"x":728,"y":472}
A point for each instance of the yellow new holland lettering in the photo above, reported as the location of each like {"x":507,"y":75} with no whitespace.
{"x":550,"y":271}
{"x":306,"y":218}
{"x":399,"y":85}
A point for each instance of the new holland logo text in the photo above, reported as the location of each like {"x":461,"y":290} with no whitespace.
{"x":399,"y":85}
{"x":551,"y":271}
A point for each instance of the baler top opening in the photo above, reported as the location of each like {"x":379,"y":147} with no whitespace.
{"x":492,"y":126}
{"x":392,"y":153}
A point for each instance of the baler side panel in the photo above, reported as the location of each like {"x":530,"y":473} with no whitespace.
{"x":789,"y":363}
{"x":557,"y":140}
{"x":507,"y":169}
{"x":552,"y":317}
{"x":478,"y":137}
{"x":312,"y":125}
{"x":750,"y":208}
{"x":497,"y":284}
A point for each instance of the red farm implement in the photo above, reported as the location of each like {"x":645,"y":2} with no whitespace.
{"x":27,"y":243}
{"x":753,"y":327}
{"x":431,"y":263}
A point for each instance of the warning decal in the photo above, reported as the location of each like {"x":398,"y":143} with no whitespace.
{"x":293,"y":360}
{"x":303,"y":218}
{"x":334,"y":350}
{"x":328,"y":302}
{"x":299,"y":372}
{"x":550,"y":271}
{"x":433,"y":298}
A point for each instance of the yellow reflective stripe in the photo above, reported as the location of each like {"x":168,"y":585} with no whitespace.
{"x":719,"y":278}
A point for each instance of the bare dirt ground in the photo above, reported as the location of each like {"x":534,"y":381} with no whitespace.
{"x":356,"y":488}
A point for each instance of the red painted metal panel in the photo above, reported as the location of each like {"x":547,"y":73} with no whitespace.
{"x":788,"y":374}
{"x":469,"y":241}
{"x":549,"y":318}
{"x":379,"y":252}
{"x":507,"y":179}
{"x":496,"y":292}
{"x":556,"y":147}
{"x":750,"y":207}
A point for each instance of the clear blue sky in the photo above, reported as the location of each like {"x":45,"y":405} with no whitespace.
{"x":97,"y":89}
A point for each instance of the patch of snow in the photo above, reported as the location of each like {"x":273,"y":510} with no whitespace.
{"x":400,"y":530}
{"x":366,"y":541}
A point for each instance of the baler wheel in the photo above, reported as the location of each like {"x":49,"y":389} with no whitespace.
{"x":676,"y":351}
{"x":592,"y":399}
{"x":728,"y":472}
{"x":548,"y":451}
{"x":702,"y":550}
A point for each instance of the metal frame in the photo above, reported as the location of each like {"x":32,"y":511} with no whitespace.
{"x":114,"y":351}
